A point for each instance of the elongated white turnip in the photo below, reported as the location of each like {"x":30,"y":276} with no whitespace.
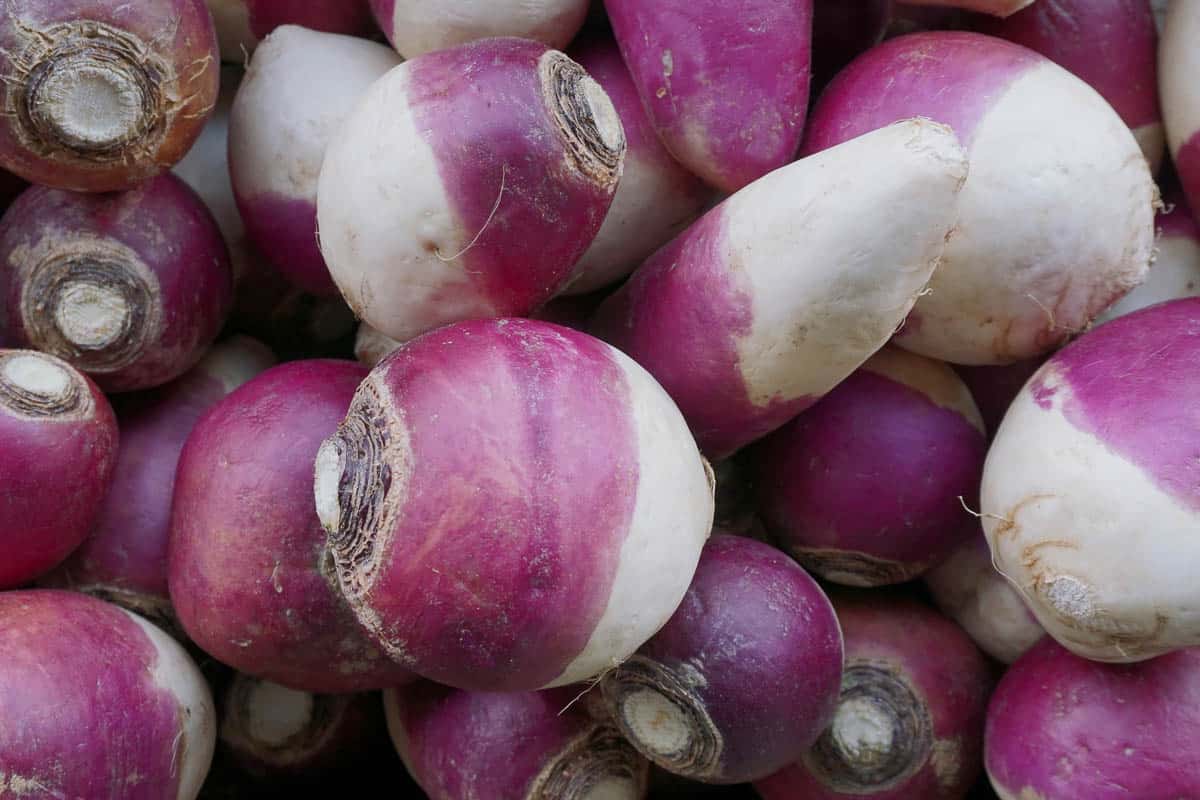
{"x":745,"y":675}
{"x":58,"y":447}
{"x":98,"y":703}
{"x":911,"y":716}
{"x":970,"y":591}
{"x":102,"y":94}
{"x":438,"y":203}
{"x":1051,"y":232}
{"x":124,"y":558}
{"x":510,"y":746}
{"x":129,"y":287}
{"x":775,"y":296}
{"x":530,"y":532}
{"x":415,"y":27}
{"x":1178,"y":65}
{"x":656,"y":197}
{"x":1091,"y":493}
{"x":725,"y":84}
{"x":1060,"y":728}
{"x":248,"y":572}
{"x":299,"y":87}
{"x":864,"y":488}
{"x":243,"y":24}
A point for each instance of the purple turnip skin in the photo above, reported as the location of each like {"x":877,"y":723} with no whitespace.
{"x":247,"y":572}
{"x":725,"y":84}
{"x":656,"y":197}
{"x":124,"y":558}
{"x":841,"y":30}
{"x":1178,"y":65}
{"x":911,"y":717}
{"x":1051,"y":233}
{"x":772,"y":298}
{"x":460,"y":745}
{"x":243,"y":24}
{"x":454,"y":537}
{"x":416,"y":27}
{"x":970,"y":591}
{"x":299,"y":87}
{"x":1111,"y":44}
{"x":58,"y":448}
{"x":100,"y":95}
{"x":866,"y":488}
{"x":1090,"y":492}
{"x":1061,"y":727}
{"x":742,"y":679}
{"x":995,"y":387}
{"x":99,"y":703}
{"x":499,"y":199}
{"x":129,"y":287}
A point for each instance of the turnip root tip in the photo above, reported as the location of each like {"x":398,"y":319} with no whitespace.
{"x":34,"y":386}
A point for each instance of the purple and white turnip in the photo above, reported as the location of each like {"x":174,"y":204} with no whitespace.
{"x":416,"y":27}
{"x":1178,"y":65}
{"x":242,"y":24}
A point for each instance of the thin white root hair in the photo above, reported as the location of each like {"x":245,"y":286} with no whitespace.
{"x":496,"y":207}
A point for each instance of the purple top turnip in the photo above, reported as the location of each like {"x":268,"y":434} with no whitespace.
{"x":416,"y":27}
{"x":58,"y":448}
{"x":512,"y":505}
{"x":130,"y":287}
{"x":1178,"y":66}
{"x":100,"y":95}
{"x":745,"y":675}
{"x":242,"y":24}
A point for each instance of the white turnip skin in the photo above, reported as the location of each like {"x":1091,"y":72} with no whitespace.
{"x":780,"y":292}
{"x":99,"y":703}
{"x":247,"y":565}
{"x":969,"y":590}
{"x":460,"y":745}
{"x":532,"y":540}
{"x":1091,"y":493}
{"x":1051,"y":233}
{"x":864,"y":488}
{"x":656,"y":197}
{"x":124,"y":558}
{"x":1178,"y":65}
{"x":437,"y":203}
{"x":911,"y":716}
{"x":299,"y":87}
{"x":129,"y":287}
{"x":243,"y":24}
{"x":744,"y":676}
{"x":59,"y":450}
{"x":725,"y":84}
{"x":1060,"y":727}
{"x":415,"y":27}
{"x":103,"y":94}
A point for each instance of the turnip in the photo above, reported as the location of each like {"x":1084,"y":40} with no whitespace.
{"x":415,"y":27}
{"x":243,"y":24}
{"x":745,"y":675}
{"x":298,"y":88}
{"x":995,"y":387}
{"x":1111,"y":44}
{"x":911,"y":716}
{"x":462,"y":745}
{"x":467,"y":183}
{"x":97,"y":703}
{"x":656,"y":197}
{"x":1178,"y":65}
{"x":865,"y":488}
{"x":512,"y":505}
{"x":841,"y":30}
{"x":776,"y":295}
{"x":1060,"y":727}
{"x":247,"y":563}
{"x":1051,"y":232}
{"x":58,"y":446}
{"x":969,"y":590}
{"x":1091,"y":488}
{"x":124,"y":559}
{"x":130,"y":287}
{"x":725,"y":84}
{"x":100,"y":95}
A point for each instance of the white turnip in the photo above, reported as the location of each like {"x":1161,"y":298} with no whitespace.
{"x":415,"y":27}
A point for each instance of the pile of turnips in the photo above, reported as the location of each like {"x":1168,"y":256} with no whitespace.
{"x":623,"y":400}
